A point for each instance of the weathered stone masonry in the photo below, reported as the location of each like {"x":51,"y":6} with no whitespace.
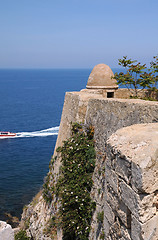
{"x":123,"y":205}
{"x":131,"y":179}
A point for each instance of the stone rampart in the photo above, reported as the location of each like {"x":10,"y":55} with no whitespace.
{"x":107,"y":116}
{"x":122,"y":204}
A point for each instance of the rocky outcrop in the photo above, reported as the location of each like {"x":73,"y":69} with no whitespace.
{"x":35,"y":218}
{"x":6,"y":231}
{"x":131,"y":183}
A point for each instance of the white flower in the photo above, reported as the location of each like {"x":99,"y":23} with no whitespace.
{"x":71,"y":192}
{"x":76,"y":196}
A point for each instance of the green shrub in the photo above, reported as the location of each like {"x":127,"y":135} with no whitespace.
{"x":75,"y":183}
{"x":21,"y":235}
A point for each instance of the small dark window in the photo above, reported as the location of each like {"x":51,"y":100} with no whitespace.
{"x":110,"y":94}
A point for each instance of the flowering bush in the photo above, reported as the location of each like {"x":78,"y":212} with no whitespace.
{"x":75,"y":182}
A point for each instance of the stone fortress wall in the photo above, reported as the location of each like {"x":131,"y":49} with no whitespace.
{"x":126,"y":166}
{"x":126,"y":173}
{"x":125,"y":178}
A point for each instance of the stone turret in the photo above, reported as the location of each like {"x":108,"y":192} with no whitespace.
{"x":101,"y":77}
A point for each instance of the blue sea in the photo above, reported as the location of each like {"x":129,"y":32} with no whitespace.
{"x":31,"y":104}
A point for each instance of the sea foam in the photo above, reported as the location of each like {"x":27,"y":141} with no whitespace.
{"x":41,"y":133}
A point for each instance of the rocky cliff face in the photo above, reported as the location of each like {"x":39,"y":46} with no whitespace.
{"x":131,"y":168}
{"x":117,"y":177}
{"x":6,"y":231}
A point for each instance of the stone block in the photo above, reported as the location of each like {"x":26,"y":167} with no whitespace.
{"x":146,"y":231}
{"x":124,"y":214}
{"x":108,"y":212}
{"x":129,"y":197}
{"x":145,"y":175}
{"x":126,"y":233}
{"x":119,"y":231}
{"x":112,"y":199}
{"x":141,"y":206}
{"x":120,"y":210}
{"x":115,"y":230}
{"x":106,"y":226}
{"x":111,"y":178}
{"x":110,"y":159}
{"x":147,"y":207}
{"x":123,"y":168}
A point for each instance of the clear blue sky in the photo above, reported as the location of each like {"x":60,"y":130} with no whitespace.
{"x":76,"y":33}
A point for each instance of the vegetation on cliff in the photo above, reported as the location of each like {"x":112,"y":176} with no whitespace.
{"x":74,"y":184}
{"x":137,"y":76}
{"x":21,"y":235}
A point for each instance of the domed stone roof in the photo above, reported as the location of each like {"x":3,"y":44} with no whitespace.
{"x":101,"y":78}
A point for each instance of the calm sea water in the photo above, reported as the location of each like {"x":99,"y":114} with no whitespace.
{"x":31,"y":103}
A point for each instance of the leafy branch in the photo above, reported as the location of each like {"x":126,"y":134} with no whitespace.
{"x":137,"y":77}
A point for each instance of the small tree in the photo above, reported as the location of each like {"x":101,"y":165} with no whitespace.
{"x":137,"y":76}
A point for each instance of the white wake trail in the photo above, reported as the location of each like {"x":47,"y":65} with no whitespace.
{"x":42,"y":133}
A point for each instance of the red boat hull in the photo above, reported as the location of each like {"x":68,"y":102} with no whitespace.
{"x":7,"y":134}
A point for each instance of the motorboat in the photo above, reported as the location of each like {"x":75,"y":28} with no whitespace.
{"x":7,"y":134}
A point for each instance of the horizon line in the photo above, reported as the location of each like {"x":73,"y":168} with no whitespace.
{"x":8,"y":68}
